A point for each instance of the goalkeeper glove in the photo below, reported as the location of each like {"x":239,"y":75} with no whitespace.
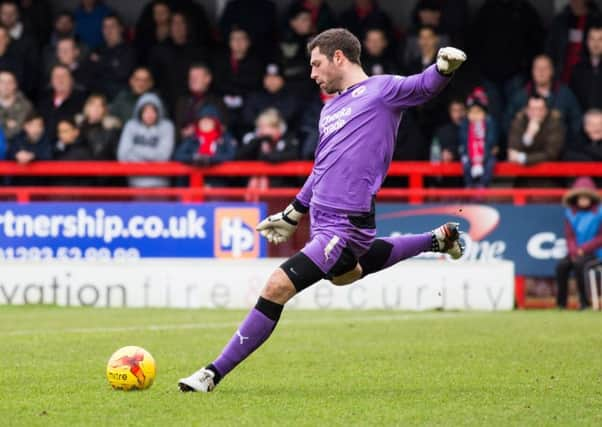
{"x":279,"y":227}
{"x":449,"y":60}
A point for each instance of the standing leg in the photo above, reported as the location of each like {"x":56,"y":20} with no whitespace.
{"x":581,"y":268}
{"x":563,"y":268}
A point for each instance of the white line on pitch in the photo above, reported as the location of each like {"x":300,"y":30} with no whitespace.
{"x":180,"y":326}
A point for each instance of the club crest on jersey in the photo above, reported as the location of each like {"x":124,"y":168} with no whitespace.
{"x":358,"y":91}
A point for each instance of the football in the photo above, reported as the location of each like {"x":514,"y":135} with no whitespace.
{"x":131,"y":368}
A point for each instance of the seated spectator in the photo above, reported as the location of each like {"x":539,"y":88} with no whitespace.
{"x":14,"y":106}
{"x":198,"y":99}
{"x":210,"y":143}
{"x":9,"y":59}
{"x":170,"y":61}
{"x":557,"y":96}
{"x":376,"y":56}
{"x":69,"y":55}
{"x":536,"y":135}
{"x":147,"y":137}
{"x":322,"y":16}
{"x":64,"y":27}
{"x":566,"y":37}
{"x":98,"y":129}
{"x":364,"y":15}
{"x":257,"y":18}
{"x":63,"y":100}
{"x":586,"y":82}
{"x":293,"y":52}
{"x":24,"y":45}
{"x":88,"y":22}
{"x":447,"y":136}
{"x":589,"y":145}
{"x":141,"y":81}
{"x":478,"y":142}
{"x":429,"y":15}
{"x":452,"y":18}
{"x":69,"y":145}
{"x":152,"y":28}
{"x":275,"y":94}
{"x":30,"y":143}
{"x":269,"y":142}
{"x":237,"y":73}
{"x":114,"y":60}
{"x":427,"y":43}
{"x":583,"y":230}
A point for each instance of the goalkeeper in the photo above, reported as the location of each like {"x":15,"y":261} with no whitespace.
{"x":357,"y":136}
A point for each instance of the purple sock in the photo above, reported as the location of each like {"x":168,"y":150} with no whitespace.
{"x":253,"y":331}
{"x":386,"y":251}
{"x":407,"y":246}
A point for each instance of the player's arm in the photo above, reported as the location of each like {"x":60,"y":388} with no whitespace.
{"x":404,"y":92}
{"x":279,"y":227}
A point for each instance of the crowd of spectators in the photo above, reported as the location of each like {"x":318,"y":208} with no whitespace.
{"x":80,"y":85}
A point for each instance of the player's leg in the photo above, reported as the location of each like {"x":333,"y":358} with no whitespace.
{"x":296,"y":274}
{"x":387,"y":251}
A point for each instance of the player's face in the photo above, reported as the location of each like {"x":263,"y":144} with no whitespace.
{"x":325,"y":72}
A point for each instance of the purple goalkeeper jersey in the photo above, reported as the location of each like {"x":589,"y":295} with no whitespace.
{"x":357,"y":136}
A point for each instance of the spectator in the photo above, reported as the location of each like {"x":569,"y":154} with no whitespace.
{"x":429,"y":15}
{"x":537,"y":134}
{"x":587,"y":75}
{"x":557,"y":96}
{"x":275,"y":94}
{"x":376,"y":55}
{"x":478,"y":142}
{"x":98,"y":129}
{"x":9,"y":58}
{"x":201,"y":32}
{"x":210,"y":143}
{"x":30,"y":144}
{"x":69,"y":55}
{"x":589,"y":146}
{"x":171,"y":60}
{"x":14,"y":106}
{"x":322,"y":16}
{"x":257,"y":18}
{"x":69,"y":145}
{"x":147,"y":137}
{"x":504,"y":38}
{"x":364,"y":15}
{"x":269,"y":142}
{"x":427,"y":43}
{"x":198,"y":99}
{"x":114,"y":60}
{"x":64,"y":27}
{"x":451,"y":20}
{"x":88,"y":22}
{"x":566,"y":38}
{"x":237,"y":73}
{"x":308,"y":125}
{"x":446,"y":140}
{"x":141,"y":81}
{"x":62,"y":101}
{"x":293,"y":52}
{"x":152,"y":28}
{"x":583,"y":230}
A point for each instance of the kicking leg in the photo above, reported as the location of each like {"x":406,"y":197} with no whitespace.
{"x":293,"y":276}
{"x":387,"y":251}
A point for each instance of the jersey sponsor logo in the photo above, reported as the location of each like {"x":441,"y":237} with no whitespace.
{"x":358,"y":91}
{"x":235,"y":234}
{"x":335,"y":121}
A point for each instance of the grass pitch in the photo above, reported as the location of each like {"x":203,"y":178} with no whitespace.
{"x":319,"y":368}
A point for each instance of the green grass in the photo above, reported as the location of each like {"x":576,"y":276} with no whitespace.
{"x":319,"y":368}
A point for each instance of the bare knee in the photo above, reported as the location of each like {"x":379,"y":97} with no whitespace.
{"x":279,"y":288}
{"x":349,"y":277}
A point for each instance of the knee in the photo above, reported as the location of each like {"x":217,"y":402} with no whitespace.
{"x":279,"y":288}
{"x":349,"y":277}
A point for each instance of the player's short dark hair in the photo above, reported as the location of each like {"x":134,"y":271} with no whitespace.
{"x":330,"y":41}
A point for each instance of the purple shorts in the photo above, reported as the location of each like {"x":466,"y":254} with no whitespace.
{"x":332,"y":232}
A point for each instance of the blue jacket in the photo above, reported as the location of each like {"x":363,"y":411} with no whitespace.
{"x":586,"y":226}
{"x":491,"y":137}
{"x":187,"y":151}
{"x":3,"y":147}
